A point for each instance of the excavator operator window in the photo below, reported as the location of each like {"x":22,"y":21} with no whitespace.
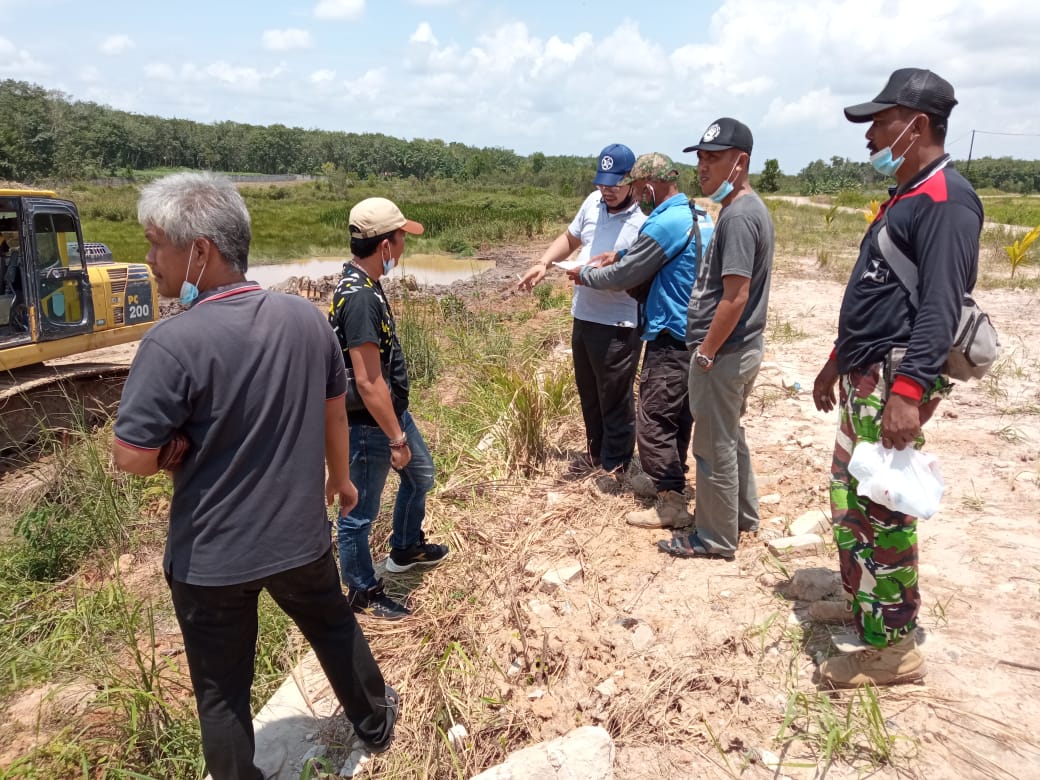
{"x":13,"y":318}
{"x":59,"y":293}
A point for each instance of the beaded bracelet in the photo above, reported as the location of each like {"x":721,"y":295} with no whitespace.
{"x":397,"y":444}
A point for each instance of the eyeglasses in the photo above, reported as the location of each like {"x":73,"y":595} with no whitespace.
{"x":613,"y":188}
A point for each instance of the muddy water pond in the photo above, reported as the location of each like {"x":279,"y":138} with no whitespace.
{"x":426,"y":269}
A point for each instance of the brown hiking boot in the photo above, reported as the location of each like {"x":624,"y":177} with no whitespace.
{"x":898,"y":663}
{"x":831,"y":611}
{"x":668,"y":512}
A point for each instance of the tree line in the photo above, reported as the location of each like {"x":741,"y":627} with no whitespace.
{"x":45,"y":135}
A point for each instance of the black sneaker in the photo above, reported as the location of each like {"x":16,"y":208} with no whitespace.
{"x":376,"y":603}
{"x":393,"y":706}
{"x":421,"y":554}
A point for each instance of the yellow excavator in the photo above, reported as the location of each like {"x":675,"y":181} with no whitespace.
{"x":60,"y":297}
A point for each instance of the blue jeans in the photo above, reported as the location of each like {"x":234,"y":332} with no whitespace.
{"x":369,"y":466}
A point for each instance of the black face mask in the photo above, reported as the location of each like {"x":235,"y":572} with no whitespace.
{"x":623,"y":204}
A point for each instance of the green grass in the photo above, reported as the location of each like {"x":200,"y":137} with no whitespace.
{"x":1012,"y":210}
{"x":310,"y":219}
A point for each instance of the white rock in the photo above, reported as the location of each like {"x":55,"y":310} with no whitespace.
{"x":607,"y":688}
{"x":514,"y":668}
{"x":796,"y":546}
{"x":560,"y":574}
{"x":642,"y":637}
{"x":355,"y":763}
{"x":769,"y":500}
{"x":457,"y":735}
{"x":583,"y":754}
{"x":315,"y":752}
{"x":815,"y":521}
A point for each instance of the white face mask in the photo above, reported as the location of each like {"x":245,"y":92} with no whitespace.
{"x":189,"y":291}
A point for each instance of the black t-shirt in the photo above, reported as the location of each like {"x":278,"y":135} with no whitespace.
{"x":935,"y":220}
{"x":244,"y":374}
{"x":360,"y":314}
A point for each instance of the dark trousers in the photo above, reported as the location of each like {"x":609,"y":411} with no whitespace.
{"x":665,"y":423}
{"x":219,"y":625}
{"x":605,"y":361}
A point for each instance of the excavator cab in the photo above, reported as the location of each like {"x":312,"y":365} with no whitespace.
{"x":60,"y":296}
{"x":46,"y":289}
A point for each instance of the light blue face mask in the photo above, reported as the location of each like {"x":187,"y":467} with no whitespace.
{"x":726,"y":188}
{"x":388,"y":264}
{"x":882,"y":160}
{"x":189,"y":291}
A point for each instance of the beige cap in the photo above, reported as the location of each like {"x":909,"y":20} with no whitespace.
{"x":373,"y":217}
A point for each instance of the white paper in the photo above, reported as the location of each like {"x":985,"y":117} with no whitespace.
{"x":570,"y":265}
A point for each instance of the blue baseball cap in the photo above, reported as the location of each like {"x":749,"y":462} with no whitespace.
{"x":614,"y":163}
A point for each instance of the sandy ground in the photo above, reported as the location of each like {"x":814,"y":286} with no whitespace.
{"x":707,"y":668}
{"x":976,"y":715}
{"x":694,"y":664}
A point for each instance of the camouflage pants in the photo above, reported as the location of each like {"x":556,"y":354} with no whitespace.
{"x":877,"y":547}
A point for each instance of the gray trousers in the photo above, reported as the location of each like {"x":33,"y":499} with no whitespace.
{"x":727,"y":497}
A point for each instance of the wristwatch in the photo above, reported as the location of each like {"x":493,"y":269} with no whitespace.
{"x":703,"y":361}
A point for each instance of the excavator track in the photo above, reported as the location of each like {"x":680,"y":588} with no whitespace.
{"x":52,"y":400}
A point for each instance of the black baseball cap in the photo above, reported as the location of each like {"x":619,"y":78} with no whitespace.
{"x":722,"y":134}
{"x":913,"y":88}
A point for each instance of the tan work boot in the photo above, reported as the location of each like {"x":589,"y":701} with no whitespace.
{"x":668,"y":512}
{"x":831,"y":611}
{"x":898,"y":663}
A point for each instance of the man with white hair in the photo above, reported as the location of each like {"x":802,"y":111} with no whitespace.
{"x":246,"y":411}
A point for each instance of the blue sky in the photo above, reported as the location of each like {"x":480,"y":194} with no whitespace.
{"x":559,"y":77}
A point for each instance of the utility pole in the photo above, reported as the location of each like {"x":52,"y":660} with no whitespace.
{"x":967,"y":166}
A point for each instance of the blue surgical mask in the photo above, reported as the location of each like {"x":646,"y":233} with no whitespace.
{"x":388,"y":264}
{"x":726,"y":188}
{"x":882,"y":160}
{"x":189,"y":291}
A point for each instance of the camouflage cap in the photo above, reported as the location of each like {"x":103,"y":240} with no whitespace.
{"x":654,"y":166}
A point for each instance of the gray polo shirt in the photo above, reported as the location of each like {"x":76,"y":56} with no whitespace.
{"x":245,"y":374}
{"x":742,"y":245}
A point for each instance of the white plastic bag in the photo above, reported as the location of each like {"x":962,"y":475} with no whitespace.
{"x":907,"y":481}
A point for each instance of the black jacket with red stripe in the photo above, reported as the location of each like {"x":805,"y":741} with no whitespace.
{"x":935,"y":219}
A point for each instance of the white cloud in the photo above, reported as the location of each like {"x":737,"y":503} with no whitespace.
{"x":286,"y":40}
{"x":116,"y":44}
{"x":238,"y":78}
{"x":423,"y":34}
{"x":816,"y":107}
{"x":19,"y":62}
{"x":159,"y":71}
{"x":785,"y":67}
{"x":346,"y":10}
{"x":322,"y":76}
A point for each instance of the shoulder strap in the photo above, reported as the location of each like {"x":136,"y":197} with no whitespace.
{"x":695,"y":231}
{"x":902,"y":266}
